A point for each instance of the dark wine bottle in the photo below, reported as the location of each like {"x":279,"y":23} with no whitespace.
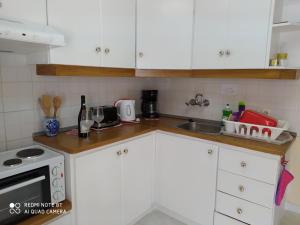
{"x":82,"y":113}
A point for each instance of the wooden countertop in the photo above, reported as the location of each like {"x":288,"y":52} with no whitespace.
{"x":41,"y":219}
{"x":72,"y":144}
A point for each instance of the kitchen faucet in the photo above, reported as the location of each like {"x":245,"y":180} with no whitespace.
{"x":198,"y":100}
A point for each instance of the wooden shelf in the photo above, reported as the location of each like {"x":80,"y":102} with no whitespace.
{"x":288,"y":74}
{"x":286,"y":26}
{"x":70,"y":70}
{"x":66,"y":70}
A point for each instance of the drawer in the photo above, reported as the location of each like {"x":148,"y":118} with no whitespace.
{"x":249,"y":165}
{"x":243,"y":210}
{"x":225,"y":220}
{"x":245,"y":188}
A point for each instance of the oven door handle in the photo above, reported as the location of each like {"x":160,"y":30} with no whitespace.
{"x":22,"y":184}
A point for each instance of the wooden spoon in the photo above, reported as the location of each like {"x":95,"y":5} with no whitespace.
{"x":47,"y":103}
{"x":43,"y":107}
{"x":56,"y":104}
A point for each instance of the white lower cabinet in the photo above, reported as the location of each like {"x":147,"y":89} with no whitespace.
{"x":225,"y":220}
{"x":98,"y":188}
{"x":62,"y":220}
{"x":186,"y":177}
{"x":114,"y":185}
{"x":196,"y":181}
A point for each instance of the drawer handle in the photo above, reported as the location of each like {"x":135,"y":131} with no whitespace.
{"x":125,"y":150}
{"x":239,"y":211}
{"x":243,"y":164}
{"x":241,"y":188}
{"x":210,"y":151}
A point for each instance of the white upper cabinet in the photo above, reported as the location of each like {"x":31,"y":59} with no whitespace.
{"x":80,"y":23}
{"x":186,"y":177}
{"x":98,"y":32}
{"x":210,"y":33}
{"x":164,"y":34}
{"x":231,"y":34}
{"x":24,"y":10}
{"x":118,"y":33}
{"x":248,"y":29}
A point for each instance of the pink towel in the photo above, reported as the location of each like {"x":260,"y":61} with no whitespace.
{"x":285,"y":178}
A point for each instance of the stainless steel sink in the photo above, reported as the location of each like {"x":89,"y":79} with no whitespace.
{"x":202,"y":126}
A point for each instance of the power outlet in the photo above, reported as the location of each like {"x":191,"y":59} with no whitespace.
{"x":229,"y":90}
{"x":266,"y":111}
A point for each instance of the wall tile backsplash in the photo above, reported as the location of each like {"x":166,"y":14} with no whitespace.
{"x":20,"y":87}
{"x":280,"y":97}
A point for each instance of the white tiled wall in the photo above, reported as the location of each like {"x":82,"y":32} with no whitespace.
{"x":282,"y":98}
{"x":20,"y":87}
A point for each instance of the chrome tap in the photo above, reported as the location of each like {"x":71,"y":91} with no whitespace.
{"x":198,"y":100}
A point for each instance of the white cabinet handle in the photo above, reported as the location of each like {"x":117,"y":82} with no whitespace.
{"x":241,"y":188}
{"x":243,"y":164}
{"x":119,"y":153}
{"x":210,"y":151}
{"x":125,"y":151}
{"x":221,"y":53}
{"x":98,"y":49}
{"x":228,"y":52}
{"x":107,"y":50}
{"x":239,"y":211}
{"x":141,"y":55}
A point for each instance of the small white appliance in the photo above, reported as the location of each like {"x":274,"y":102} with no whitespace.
{"x":19,"y":37}
{"x":31,"y":178}
{"x":126,"y":109}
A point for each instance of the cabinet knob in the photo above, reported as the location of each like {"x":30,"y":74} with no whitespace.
{"x":243,"y":164}
{"x":210,"y":151}
{"x":98,"y":49}
{"x":119,"y":153}
{"x":141,"y":55}
{"x":241,"y":188}
{"x":239,"y":211}
{"x":107,"y":50}
{"x":228,"y":52}
{"x":125,"y":151}
{"x":221,"y":53}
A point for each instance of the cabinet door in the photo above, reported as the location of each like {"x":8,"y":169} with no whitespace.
{"x":25,"y":10}
{"x":186,"y":177}
{"x":210,"y":34}
{"x":138,"y":177}
{"x":164,"y":34}
{"x":62,"y":220}
{"x":248,"y":33}
{"x":98,"y":188}
{"x":80,"y":23}
{"x":118,"y":33}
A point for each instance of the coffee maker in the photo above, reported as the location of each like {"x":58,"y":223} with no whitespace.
{"x":149,"y":104}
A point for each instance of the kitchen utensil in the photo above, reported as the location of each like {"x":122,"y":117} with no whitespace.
{"x":56,"y":104}
{"x":126,"y":110}
{"x":47,"y":104}
{"x":42,"y":107}
{"x":98,"y":115}
{"x":86,"y":121}
{"x":253,"y":117}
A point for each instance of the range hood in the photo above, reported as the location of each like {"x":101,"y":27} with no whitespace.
{"x":23,"y":38}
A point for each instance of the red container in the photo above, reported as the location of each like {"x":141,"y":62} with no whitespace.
{"x":250,"y":116}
